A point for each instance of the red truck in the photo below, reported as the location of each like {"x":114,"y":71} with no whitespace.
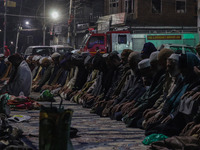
{"x":120,"y":40}
{"x":106,"y":42}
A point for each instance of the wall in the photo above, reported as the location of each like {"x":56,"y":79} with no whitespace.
{"x":143,"y":15}
{"x":168,"y":16}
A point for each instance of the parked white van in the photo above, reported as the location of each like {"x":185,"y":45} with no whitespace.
{"x":47,"y":50}
{"x":62,"y":49}
{"x":39,"y":50}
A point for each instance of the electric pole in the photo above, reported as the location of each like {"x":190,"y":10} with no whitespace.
{"x":19,"y":29}
{"x":44,"y":24}
{"x":17,"y":39}
{"x":69,"y":22}
{"x":5,"y":24}
{"x":74,"y":27}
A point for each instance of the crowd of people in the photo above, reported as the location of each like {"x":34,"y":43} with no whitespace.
{"x":158,"y":91}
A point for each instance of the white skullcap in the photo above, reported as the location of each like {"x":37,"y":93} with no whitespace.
{"x":1,"y":55}
{"x":41,"y":59}
{"x":50,"y":59}
{"x":145,"y":63}
{"x":75,"y":51}
{"x":153,"y":56}
{"x":54,"y":55}
{"x":105,"y":55}
{"x":6,"y":59}
{"x":174,"y":57}
{"x":28,"y":58}
{"x":36,"y":57}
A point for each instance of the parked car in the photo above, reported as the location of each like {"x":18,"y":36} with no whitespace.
{"x":39,"y":50}
{"x":47,"y":50}
{"x":62,"y":49}
{"x":178,"y":48}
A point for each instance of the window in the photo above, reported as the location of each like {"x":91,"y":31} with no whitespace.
{"x":181,"y":6}
{"x":156,"y":6}
{"x":44,"y":51}
{"x":177,"y":49}
{"x":182,"y":49}
{"x":85,"y":39}
{"x":114,"y":4}
{"x":64,"y":50}
{"x":96,"y":40}
{"x":122,"y":39}
{"x":190,"y":49}
{"x":129,"y":6}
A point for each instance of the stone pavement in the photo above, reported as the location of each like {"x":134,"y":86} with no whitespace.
{"x":95,"y":133}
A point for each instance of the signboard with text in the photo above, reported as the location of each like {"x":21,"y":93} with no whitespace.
{"x":164,"y":37}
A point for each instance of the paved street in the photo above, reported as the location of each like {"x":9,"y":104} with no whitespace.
{"x":95,"y":133}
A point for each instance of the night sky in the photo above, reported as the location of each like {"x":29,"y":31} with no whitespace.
{"x":29,"y":8}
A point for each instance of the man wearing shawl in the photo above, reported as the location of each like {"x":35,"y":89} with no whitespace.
{"x":21,"y":80}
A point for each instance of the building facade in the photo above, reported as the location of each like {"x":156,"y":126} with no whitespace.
{"x":87,"y":12}
{"x":155,"y":12}
{"x":84,"y":15}
{"x":140,"y":15}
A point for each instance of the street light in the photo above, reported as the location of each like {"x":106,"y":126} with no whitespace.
{"x":54,"y":15}
{"x":27,"y":23}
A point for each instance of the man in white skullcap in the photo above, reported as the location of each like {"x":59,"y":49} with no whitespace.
{"x":145,"y":63}
{"x":145,"y":69}
{"x":154,"y":92}
{"x":172,"y":65}
{"x":37,"y":73}
{"x":56,"y":69}
{"x":47,"y":68}
{"x":172,"y":80}
{"x":133,"y":88}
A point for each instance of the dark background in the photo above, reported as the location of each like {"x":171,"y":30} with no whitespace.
{"x":28,"y":8}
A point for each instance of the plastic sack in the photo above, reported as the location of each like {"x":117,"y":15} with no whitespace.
{"x":54,"y":128}
{"x":154,"y":138}
{"x":46,"y":95}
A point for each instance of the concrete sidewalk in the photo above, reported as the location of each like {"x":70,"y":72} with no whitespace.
{"x":95,"y":133}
